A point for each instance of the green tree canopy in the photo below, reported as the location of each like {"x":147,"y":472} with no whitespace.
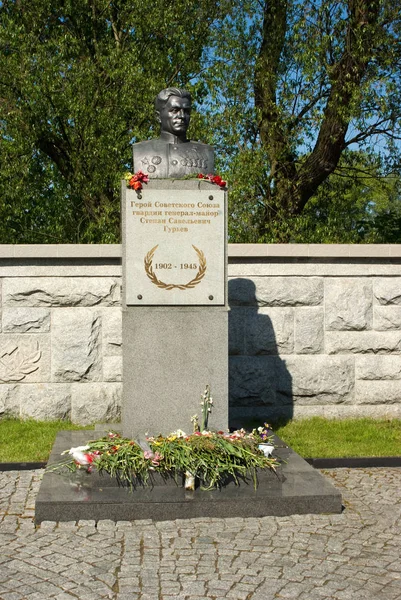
{"x":303,"y":82}
{"x":285,"y":89}
{"x":77,"y":84}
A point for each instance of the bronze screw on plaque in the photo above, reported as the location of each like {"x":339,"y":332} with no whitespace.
{"x":210,"y":297}
{"x":139,"y":296}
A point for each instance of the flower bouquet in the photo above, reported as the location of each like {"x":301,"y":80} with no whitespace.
{"x":212,"y":458}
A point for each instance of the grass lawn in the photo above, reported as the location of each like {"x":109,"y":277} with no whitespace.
{"x":323,"y":438}
{"x":31,"y":441}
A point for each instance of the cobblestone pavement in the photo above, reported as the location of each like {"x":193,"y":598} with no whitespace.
{"x":355,"y":555}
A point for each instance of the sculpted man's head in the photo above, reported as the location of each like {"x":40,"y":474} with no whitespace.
{"x":172,"y":155}
{"x":173,"y":111}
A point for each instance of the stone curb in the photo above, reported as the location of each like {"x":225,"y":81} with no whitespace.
{"x":357,"y":462}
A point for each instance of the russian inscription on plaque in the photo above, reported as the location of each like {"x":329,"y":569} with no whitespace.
{"x":175,"y":246}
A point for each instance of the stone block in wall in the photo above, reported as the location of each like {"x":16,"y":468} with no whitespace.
{"x":374,"y":392}
{"x":76,"y":345}
{"x":9,"y":400}
{"x":378,"y":367}
{"x":258,"y":381}
{"x":348,"y":304}
{"x":45,"y":401}
{"x":252,"y":381}
{"x":61,"y":291}
{"x":112,"y":331}
{"x":275,"y":291}
{"x":269,"y":331}
{"x":348,"y":411}
{"x":236,"y":329}
{"x":96,"y":403}
{"x":321,"y":379}
{"x":386,"y":317}
{"x":112,"y":368}
{"x":26,"y":320}
{"x":362,"y":342}
{"x":308,"y":330}
{"x":387,"y":290}
{"x":24,"y":357}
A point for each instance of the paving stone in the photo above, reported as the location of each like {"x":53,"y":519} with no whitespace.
{"x":355,"y":555}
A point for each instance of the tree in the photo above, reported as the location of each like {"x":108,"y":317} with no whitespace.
{"x":77,"y":83}
{"x":312,"y":79}
{"x":285,"y":89}
{"x":356,"y":204}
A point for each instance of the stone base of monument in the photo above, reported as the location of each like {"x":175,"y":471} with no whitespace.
{"x":296,"y":489}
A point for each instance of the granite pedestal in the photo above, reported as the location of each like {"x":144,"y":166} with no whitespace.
{"x":175,"y":312}
{"x":297,"y":489}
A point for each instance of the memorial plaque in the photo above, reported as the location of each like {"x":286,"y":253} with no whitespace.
{"x":175,"y":245}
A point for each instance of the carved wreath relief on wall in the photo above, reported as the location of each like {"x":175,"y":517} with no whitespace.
{"x":17,"y":362}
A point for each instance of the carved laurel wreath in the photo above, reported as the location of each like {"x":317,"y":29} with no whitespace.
{"x":178,"y":286}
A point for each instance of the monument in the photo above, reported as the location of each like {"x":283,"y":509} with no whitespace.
{"x":175,"y":313}
{"x":175,"y":342}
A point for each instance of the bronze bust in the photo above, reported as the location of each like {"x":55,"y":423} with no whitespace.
{"x":172,"y":155}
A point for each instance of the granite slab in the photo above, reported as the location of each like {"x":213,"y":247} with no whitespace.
{"x":297,"y":489}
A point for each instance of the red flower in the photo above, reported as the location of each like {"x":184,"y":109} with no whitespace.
{"x":214,"y":179}
{"x":137,"y":180}
{"x":141,"y":177}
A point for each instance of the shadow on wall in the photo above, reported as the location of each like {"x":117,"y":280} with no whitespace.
{"x":260,"y":385}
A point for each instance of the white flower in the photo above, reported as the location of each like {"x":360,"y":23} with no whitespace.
{"x":267,"y":449}
{"x":79,"y":455}
{"x":77,"y":449}
{"x":179,"y":433}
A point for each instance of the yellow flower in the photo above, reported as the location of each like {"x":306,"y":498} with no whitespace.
{"x":171,"y":438}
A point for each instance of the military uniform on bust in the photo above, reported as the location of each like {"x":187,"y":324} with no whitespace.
{"x":167,"y":157}
{"x":172,"y":155}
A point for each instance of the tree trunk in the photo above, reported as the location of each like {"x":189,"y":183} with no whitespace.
{"x":293,"y":185}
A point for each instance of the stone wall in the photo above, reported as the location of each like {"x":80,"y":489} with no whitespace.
{"x":314,"y":330}
{"x":60,"y":341}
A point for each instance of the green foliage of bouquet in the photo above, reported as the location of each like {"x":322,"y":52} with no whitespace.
{"x":211,"y":457}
